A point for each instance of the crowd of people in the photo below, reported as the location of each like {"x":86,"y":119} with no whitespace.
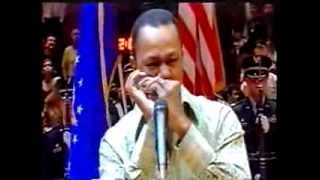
{"x":56,"y":113}
{"x":254,"y":38}
{"x":252,"y":96}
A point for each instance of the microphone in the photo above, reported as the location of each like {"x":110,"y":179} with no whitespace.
{"x":160,"y":121}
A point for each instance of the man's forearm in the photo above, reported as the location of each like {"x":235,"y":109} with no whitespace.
{"x":204,"y":161}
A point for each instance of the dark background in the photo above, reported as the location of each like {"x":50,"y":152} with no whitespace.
{"x":21,"y":125}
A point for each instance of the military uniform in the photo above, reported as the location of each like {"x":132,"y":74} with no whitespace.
{"x":247,"y":115}
{"x":260,"y":144}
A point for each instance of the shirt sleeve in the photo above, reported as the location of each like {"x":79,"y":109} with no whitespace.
{"x":227,"y":161}
{"x":142,"y":160}
{"x":111,"y":166}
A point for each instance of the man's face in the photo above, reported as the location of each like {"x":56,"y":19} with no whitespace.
{"x":254,"y":10}
{"x":47,"y":67}
{"x":260,"y":50}
{"x":235,"y":94}
{"x":256,"y":86}
{"x":268,"y":9}
{"x":158,"y":52}
{"x":50,"y":42}
{"x":75,"y":35}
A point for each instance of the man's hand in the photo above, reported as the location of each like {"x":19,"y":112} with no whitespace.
{"x":170,"y":90}
{"x":265,"y":124}
{"x":145,"y":90}
{"x":135,"y":90}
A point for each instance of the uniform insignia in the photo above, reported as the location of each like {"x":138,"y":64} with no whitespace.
{"x":260,"y":109}
{"x":57,"y":148}
{"x":247,"y":107}
{"x":244,"y":124}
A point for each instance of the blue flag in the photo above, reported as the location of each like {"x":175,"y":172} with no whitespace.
{"x":96,"y":56}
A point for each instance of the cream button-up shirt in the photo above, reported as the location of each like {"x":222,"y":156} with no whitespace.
{"x":213,"y":147}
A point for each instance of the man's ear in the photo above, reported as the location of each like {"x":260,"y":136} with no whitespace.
{"x":133,"y":61}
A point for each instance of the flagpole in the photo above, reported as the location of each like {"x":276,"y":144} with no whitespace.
{"x":119,"y":57}
{"x":102,"y":59}
{"x":120,"y":73}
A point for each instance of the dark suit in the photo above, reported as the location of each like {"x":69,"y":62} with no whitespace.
{"x":253,"y":134}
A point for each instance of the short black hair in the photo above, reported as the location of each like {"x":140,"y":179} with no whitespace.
{"x":154,"y":18}
{"x":49,"y":34}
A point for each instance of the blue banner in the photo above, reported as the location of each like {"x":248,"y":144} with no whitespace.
{"x":89,"y":104}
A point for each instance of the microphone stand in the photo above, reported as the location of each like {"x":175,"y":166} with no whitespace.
{"x":261,"y":147}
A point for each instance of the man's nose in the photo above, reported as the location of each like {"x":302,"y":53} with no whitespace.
{"x":165,"y":72}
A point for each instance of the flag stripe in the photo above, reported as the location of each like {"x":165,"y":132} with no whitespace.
{"x":220,"y":75}
{"x":191,"y":48}
{"x":205,"y":55}
{"x":206,"y":59}
{"x":211,"y":37}
{"x":190,"y":45}
{"x":185,"y":12}
{"x":190,"y":36}
{"x":200,"y":71}
{"x":187,"y":39}
{"x":208,"y":8}
{"x":188,"y":65}
{"x":201,"y":47}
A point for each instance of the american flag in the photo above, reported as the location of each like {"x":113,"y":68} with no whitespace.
{"x":203,"y":61}
{"x":97,"y":53}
